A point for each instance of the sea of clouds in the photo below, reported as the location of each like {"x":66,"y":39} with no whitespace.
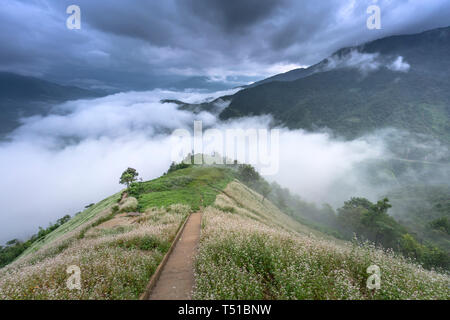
{"x":56,"y":164}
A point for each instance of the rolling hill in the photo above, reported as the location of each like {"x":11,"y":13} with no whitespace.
{"x":249,"y":248}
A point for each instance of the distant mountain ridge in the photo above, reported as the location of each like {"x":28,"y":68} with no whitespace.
{"x":398,"y":81}
{"x":202,"y":83}
{"x":19,"y":87}
{"x":25,"y":96}
{"x":427,"y":41}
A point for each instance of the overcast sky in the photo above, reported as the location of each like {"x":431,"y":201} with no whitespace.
{"x":154,"y":41}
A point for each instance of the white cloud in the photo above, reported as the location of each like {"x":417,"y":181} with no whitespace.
{"x":283,"y":67}
{"x":399,"y":65}
{"x":365,"y":62}
{"x":54,"y":165}
{"x":322,"y":169}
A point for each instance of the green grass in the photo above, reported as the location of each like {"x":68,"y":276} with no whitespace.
{"x":195,"y":186}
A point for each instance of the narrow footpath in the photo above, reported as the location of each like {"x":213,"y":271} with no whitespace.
{"x":177,"y":276}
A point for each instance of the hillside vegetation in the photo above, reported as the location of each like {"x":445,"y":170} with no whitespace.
{"x":192,"y":186}
{"x":246,"y":253}
{"x":425,"y":210}
{"x":351,"y":104}
{"x":353,"y":99}
{"x":249,"y":248}
{"x":116,"y":253}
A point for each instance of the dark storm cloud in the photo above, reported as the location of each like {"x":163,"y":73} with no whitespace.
{"x":233,"y":15}
{"x":153,"y":41}
{"x":151,"y":21}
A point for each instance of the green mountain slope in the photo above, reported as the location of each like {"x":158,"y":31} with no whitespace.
{"x":432,"y":44}
{"x":352,"y":102}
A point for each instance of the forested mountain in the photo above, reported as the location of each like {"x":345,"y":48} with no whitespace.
{"x":396,"y":82}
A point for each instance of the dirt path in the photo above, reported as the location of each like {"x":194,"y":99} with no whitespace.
{"x":177,"y":277}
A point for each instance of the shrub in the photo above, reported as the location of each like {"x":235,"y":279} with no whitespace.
{"x":441,"y":224}
{"x":130,"y":204}
{"x":115,"y":208}
{"x":174,"y":167}
{"x":145,"y":243}
{"x":248,"y":174}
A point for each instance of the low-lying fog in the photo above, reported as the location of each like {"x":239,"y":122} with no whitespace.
{"x":55,"y":165}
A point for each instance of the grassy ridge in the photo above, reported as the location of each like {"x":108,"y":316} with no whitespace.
{"x":249,"y":250}
{"x":194,"y":186}
{"x":117,"y":254}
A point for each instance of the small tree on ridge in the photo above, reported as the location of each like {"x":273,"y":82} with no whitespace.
{"x":128,"y":176}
